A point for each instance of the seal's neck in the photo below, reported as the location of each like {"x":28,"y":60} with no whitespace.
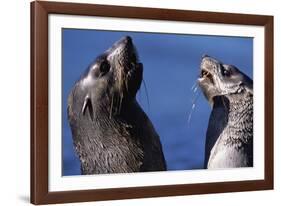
{"x":240,"y":119}
{"x":240,"y":106}
{"x":113,"y":109}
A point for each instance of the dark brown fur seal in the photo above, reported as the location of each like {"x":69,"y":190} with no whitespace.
{"x":229,"y":139}
{"x":111,"y":133}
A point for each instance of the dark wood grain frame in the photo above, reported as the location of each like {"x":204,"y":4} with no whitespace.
{"x":39,"y":102}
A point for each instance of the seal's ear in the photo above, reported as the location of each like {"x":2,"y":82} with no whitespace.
{"x":87,"y":104}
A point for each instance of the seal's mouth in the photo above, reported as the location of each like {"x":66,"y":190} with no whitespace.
{"x":205,"y":74}
{"x":207,"y":69}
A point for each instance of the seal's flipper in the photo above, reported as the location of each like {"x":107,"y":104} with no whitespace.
{"x":87,"y":104}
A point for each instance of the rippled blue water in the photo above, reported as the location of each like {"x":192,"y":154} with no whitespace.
{"x":171,"y":67}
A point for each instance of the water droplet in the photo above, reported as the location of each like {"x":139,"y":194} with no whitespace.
{"x":194,"y":88}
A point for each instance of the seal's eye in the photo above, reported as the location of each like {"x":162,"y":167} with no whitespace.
{"x":226,"y":72}
{"x":104,"y":67}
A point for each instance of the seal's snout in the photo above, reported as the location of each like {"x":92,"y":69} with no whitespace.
{"x":127,"y":40}
{"x":205,"y":56}
{"x":124,"y":43}
{"x":125,"y":65}
{"x":208,"y":64}
{"x":124,"y":51}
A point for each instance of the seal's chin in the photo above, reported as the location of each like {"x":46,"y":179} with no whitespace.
{"x":127,"y":68}
{"x":128,"y":55}
{"x":132,"y":68}
{"x":133,"y":79}
{"x":207,"y":82}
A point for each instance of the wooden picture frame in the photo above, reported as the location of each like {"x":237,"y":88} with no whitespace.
{"x":40,"y":193}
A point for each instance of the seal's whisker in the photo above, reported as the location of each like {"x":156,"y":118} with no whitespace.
{"x":195,"y":89}
{"x":111,"y":106}
{"x":146,"y":94}
{"x":190,"y":113}
{"x":194,"y":86}
{"x":193,"y":101}
{"x":120,"y":103}
{"x":139,"y":95}
{"x":126,"y":85}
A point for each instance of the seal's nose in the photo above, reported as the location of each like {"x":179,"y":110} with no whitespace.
{"x":205,"y":56}
{"x":127,"y":40}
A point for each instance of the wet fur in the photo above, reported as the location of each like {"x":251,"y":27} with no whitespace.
{"x":113,"y":135}
{"x":229,"y":138}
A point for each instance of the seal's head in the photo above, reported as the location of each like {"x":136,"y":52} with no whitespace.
{"x":218,"y":79}
{"x":117,"y":70}
{"x":112,"y":79}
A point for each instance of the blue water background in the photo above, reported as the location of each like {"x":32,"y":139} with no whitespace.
{"x":171,"y":66}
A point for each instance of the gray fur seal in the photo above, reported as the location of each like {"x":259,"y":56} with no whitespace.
{"x":229,"y":138}
{"x":110,"y":131}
